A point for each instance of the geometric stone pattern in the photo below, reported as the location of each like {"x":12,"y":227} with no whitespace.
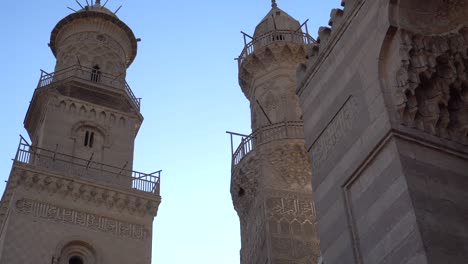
{"x":291,"y":164}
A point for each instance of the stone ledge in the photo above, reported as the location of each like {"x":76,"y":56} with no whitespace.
{"x":133,"y":202}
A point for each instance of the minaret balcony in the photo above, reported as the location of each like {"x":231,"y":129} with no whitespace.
{"x":275,"y":36}
{"x":266,"y":134}
{"x":91,"y":76}
{"x":69,"y":166}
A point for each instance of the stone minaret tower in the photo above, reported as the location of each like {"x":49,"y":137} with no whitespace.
{"x":72,"y":197}
{"x":271,"y":175}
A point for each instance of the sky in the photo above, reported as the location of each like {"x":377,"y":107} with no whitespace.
{"x":187,"y":76}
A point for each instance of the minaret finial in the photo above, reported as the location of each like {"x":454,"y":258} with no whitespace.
{"x":273,"y":3}
{"x":98,"y":2}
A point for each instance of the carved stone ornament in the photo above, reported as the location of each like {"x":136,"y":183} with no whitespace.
{"x":244,"y":184}
{"x":95,"y":194}
{"x":432,"y":84}
{"x":82,"y":219}
{"x":292,"y":164}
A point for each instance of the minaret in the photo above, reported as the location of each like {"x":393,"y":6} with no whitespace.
{"x":271,"y":174}
{"x":72,"y":196}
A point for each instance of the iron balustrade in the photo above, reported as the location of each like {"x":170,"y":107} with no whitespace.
{"x":91,"y":75}
{"x":108,"y":174}
{"x":275,"y":36}
{"x":278,"y":131}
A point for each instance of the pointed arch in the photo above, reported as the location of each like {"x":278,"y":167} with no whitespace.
{"x":83,"y":110}
{"x":62,"y":106}
{"x":103,"y":116}
{"x":112,"y":119}
{"x":122,"y":121}
{"x":72,"y":109}
{"x":93,"y":126}
{"x":92,"y":114}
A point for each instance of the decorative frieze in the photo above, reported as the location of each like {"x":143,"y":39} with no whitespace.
{"x":292,"y":164}
{"x":101,"y":115}
{"x":97,"y":195}
{"x":290,"y":209}
{"x":82,"y":219}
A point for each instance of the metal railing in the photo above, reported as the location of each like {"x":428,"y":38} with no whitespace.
{"x":91,"y":75}
{"x":283,"y":130}
{"x":272,"y":37}
{"x":108,"y":174}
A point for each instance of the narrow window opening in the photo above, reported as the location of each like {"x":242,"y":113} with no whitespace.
{"x":75,"y":260}
{"x":241,"y":192}
{"x":96,"y":74}
{"x":91,"y":140}
{"x":86,"y":138}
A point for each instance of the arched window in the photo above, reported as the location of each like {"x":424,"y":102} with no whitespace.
{"x":75,"y":260}
{"x":76,"y":252}
{"x":96,"y":74}
{"x":88,"y":139}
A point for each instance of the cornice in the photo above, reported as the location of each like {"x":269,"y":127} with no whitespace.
{"x":130,"y":201}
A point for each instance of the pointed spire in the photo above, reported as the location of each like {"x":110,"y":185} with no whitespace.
{"x":273,"y":3}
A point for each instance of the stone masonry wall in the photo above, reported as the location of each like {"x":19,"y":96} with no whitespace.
{"x":383,"y":97}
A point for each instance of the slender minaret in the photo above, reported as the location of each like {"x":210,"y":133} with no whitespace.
{"x":271,"y":175}
{"x":72,"y":196}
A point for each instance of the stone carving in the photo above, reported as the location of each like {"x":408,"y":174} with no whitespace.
{"x":335,"y":131}
{"x":83,"y":219}
{"x":6,"y":198}
{"x":244,"y":185}
{"x":92,"y":39}
{"x":288,"y":53}
{"x":55,"y":185}
{"x":290,"y":209}
{"x":106,"y":117}
{"x":292,"y":164}
{"x":432,"y":84}
{"x":290,"y":250}
{"x":292,"y":226}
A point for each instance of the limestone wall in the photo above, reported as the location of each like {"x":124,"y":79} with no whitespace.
{"x":369,"y":162}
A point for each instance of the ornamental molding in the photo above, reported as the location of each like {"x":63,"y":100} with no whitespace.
{"x":133,"y":202}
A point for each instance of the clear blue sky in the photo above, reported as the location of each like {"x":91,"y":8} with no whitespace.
{"x":186,"y":74}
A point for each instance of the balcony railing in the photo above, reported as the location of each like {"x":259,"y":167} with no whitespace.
{"x":283,"y":130}
{"x":272,"y":37}
{"x":91,"y":75}
{"x":87,"y":169}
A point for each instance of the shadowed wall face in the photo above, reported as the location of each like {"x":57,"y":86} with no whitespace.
{"x":388,"y":136}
